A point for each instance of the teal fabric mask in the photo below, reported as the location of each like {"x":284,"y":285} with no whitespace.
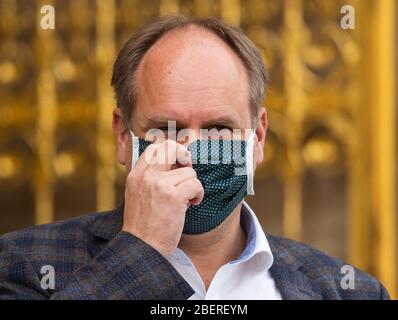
{"x":225,"y":169}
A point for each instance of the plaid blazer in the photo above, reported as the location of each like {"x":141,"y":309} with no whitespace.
{"x":93,"y":259}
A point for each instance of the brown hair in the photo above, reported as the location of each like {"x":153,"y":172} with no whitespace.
{"x":130,"y":56}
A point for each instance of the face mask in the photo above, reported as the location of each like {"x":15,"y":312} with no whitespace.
{"x":225,"y":169}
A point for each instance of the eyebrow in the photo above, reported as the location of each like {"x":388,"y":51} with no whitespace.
{"x":157,"y":120}
{"x":225,"y":120}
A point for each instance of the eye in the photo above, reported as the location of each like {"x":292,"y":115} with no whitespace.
{"x":165,"y":128}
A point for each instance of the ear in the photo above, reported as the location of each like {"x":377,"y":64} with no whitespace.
{"x":122,"y":136}
{"x":261,"y":133}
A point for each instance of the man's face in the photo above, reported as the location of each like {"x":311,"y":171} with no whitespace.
{"x":194,"y":78}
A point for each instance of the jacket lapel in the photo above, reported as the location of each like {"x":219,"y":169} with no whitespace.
{"x":104,"y":227}
{"x":290,"y":275}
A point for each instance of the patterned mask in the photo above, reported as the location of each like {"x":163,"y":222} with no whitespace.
{"x":225,"y":169}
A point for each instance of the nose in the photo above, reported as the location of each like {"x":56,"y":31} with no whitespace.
{"x":188,"y":135}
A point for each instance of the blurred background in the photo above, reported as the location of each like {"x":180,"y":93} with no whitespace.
{"x":329,"y":178}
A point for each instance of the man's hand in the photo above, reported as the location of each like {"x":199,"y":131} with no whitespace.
{"x":158,"y":193}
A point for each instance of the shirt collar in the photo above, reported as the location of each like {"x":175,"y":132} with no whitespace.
{"x":256,"y":241}
{"x":257,"y":246}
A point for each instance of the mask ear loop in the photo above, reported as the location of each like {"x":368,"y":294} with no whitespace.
{"x":135,"y":145}
{"x":249,"y":163}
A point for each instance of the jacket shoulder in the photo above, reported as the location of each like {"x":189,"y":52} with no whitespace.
{"x":326,"y":271}
{"x":62,"y":234}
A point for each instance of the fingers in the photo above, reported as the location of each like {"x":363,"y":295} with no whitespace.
{"x":191,"y":190}
{"x":158,"y":162}
{"x":177,"y":176}
{"x":183,"y":155}
{"x":162,"y":156}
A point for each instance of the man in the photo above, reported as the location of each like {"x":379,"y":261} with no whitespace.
{"x":182,"y":232}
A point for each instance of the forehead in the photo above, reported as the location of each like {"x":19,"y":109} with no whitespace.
{"x":191,"y":49}
{"x":194,"y":70}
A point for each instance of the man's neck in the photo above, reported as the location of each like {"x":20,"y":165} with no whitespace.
{"x":213,"y":249}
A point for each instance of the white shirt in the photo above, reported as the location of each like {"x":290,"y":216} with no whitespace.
{"x":248,"y":277}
